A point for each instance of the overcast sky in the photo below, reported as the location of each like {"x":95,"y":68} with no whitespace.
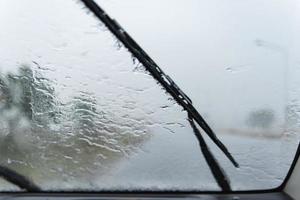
{"x":229,"y":56}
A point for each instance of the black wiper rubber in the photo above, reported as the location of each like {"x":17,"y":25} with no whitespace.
{"x":18,"y":179}
{"x":170,"y":86}
{"x":217,"y":171}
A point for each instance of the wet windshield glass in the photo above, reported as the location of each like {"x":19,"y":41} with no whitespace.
{"x":78,"y":112}
{"x":239,"y":63}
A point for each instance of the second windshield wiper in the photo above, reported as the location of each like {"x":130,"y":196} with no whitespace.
{"x":18,"y":179}
{"x":217,"y":171}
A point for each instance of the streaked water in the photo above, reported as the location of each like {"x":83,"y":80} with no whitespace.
{"x":79,"y":113}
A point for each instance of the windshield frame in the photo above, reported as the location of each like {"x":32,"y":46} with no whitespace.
{"x":276,"y":189}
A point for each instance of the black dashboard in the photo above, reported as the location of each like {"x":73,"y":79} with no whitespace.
{"x":87,"y":196}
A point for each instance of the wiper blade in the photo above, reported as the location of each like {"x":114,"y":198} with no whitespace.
{"x":170,"y":86}
{"x":18,"y":179}
{"x":217,"y":171}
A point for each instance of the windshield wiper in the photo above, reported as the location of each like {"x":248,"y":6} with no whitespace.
{"x":157,"y":73}
{"x":217,"y":171}
{"x":171,"y":87}
{"x":18,"y":179}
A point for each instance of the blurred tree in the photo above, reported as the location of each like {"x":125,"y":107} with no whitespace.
{"x":86,"y":137}
{"x":27,"y":94}
{"x":262,"y":118}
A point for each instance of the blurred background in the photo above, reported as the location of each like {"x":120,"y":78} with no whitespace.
{"x":78,"y":112}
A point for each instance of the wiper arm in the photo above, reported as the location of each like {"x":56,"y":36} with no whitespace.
{"x":18,"y":179}
{"x":170,"y":86}
{"x":217,"y":171}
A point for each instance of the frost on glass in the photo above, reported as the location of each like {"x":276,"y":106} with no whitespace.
{"x":79,"y":113}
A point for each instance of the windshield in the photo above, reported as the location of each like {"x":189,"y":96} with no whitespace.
{"x":79,"y":112}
